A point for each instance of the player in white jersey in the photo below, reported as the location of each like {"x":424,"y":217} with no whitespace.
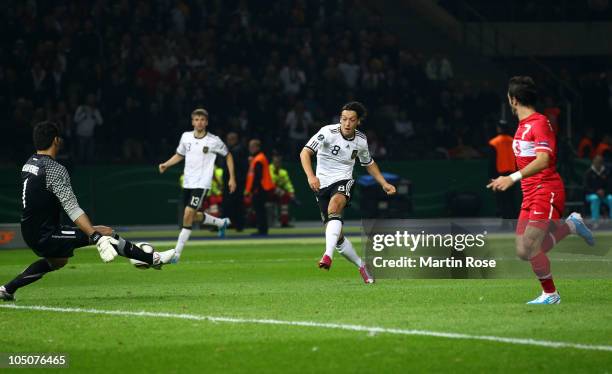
{"x":199,"y":149}
{"x":336,"y":147}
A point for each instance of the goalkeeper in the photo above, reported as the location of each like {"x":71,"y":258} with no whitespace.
{"x":284,"y":192}
{"x":45,"y":191}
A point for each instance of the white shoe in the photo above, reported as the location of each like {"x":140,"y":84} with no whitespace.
{"x":547,"y":298}
{"x":577,"y":226}
{"x":162,"y":258}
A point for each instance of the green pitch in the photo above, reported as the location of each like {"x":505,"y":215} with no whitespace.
{"x":278,"y":280}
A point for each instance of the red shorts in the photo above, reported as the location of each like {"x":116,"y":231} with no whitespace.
{"x":540,"y":208}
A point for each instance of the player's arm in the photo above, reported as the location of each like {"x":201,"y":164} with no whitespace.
{"x":58,"y":181}
{"x":231,"y":183}
{"x":306,"y":160}
{"x":537,"y":165}
{"x":175,"y":159}
{"x":373,"y":169}
{"x":543,"y":136}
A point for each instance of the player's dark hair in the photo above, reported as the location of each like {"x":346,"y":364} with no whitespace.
{"x":356,"y":107}
{"x":43,"y":135}
{"x":523,"y":89}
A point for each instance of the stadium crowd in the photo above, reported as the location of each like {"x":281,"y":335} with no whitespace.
{"x":122,"y":76}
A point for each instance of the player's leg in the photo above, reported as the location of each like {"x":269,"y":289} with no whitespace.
{"x":192,"y":198}
{"x":536,"y":232}
{"x":527,"y":249}
{"x":333,"y":227}
{"x":185,"y":233}
{"x":346,"y":249}
{"x":55,"y":250}
{"x":31,"y":274}
{"x":128,"y":249}
{"x":212,"y":219}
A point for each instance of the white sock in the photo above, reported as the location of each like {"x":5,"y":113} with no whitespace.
{"x":182,"y":239}
{"x":332,"y":233}
{"x":212,"y":220}
{"x":347,"y":250}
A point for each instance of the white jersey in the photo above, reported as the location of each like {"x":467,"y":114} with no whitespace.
{"x":200,"y":155}
{"x":336,"y":154}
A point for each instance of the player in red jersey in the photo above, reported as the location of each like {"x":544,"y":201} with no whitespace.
{"x":539,"y":225}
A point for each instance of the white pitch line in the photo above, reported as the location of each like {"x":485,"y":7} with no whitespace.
{"x":335,"y":326}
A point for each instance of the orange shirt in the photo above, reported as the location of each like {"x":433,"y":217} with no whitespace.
{"x":504,"y":160}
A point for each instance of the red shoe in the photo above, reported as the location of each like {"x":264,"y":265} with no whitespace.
{"x":325,"y":262}
{"x":367,"y":278}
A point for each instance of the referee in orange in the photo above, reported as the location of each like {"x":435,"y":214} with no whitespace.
{"x":502,"y":162}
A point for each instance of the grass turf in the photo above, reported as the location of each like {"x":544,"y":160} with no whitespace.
{"x":278,"y":279}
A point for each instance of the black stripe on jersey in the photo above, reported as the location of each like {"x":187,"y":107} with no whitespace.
{"x":334,"y":131}
{"x":367,"y":163}
{"x":310,"y":148}
{"x":360,"y":134}
{"x":314,"y":144}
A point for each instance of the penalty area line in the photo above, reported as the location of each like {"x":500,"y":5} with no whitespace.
{"x":335,"y":326}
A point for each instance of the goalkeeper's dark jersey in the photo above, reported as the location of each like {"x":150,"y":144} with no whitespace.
{"x":45,"y":190}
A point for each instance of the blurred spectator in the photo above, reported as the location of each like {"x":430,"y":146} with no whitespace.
{"x":86,"y":118}
{"x":299,"y":123}
{"x":252,"y":62}
{"x":57,"y":82}
{"x":376,"y":147}
{"x":232,"y":203}
{"x":164,"y":61}
{"x":502,"y":162}
{"x":214,"y":200}
{"x":284,"y":193}
{"x":133,"y":131}
{"x":439,"y":68}
{"x":598,"y":188}
{"x":403,"y":126}
{"x":604,"y":148}
{"x":39,"y":84}
{"x":585,"y":146}
{"x":350,"y":70}
{"x":292,"y":77}
{"x":552,"y":112}
{"x":259,"y":185}
{"x":463,"y":151}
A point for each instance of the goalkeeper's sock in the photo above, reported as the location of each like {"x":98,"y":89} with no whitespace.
{"x":212,"y":220}
{"x":30,"y":275}
{"x":346,"y":249}
{"x":332,"y":233}
{"x":182,"y":239}
{"x":127,"y":249}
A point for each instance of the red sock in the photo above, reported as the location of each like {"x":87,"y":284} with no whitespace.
{"x":541,"y":267}
{"x":561,"y":231}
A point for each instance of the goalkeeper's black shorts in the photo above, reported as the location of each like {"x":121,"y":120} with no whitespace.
{"x":58,"y":243}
